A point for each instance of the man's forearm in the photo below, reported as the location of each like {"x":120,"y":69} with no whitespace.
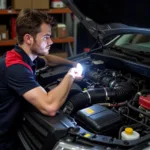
{"x":51,"y":59}
{"x":59,"y":94}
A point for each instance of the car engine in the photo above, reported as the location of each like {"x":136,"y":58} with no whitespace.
{"x":113,"y":95}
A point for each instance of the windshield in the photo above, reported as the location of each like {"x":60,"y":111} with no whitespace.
{"x":135,"y":42}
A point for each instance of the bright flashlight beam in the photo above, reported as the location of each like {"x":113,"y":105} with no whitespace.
{"x":79,"y":68}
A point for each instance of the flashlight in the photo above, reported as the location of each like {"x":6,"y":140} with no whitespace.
{"x":79,"y":68}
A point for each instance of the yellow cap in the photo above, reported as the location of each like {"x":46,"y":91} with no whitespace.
{"x":84,"y":89}
{"x":128,"y":131}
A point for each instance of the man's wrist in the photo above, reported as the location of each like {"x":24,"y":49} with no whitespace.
{"x":70,"y":75}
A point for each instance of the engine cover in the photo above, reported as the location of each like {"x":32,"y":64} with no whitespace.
{"x":99,"y":119}
{"x":144,"y":101}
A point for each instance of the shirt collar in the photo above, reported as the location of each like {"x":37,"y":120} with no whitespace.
{"x":25,"y":57}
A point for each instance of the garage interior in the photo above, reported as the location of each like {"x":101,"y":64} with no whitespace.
{"x":67,"y":39}
{"x":108,"y":108}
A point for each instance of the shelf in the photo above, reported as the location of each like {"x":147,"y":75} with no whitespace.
{"x":57,"y":40}
{"x":59,"y":11}
{"x":50,"y":11}
{"x":63,"y":40}
{"x":7,"y":43}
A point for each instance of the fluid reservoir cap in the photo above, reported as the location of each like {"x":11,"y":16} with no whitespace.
{"x":129,"y":131}
{"x":85,"y":89}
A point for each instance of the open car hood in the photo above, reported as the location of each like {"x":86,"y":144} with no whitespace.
{"x":103,"y":18}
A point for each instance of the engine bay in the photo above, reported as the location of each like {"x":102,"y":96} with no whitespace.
{"x":113,"y":95}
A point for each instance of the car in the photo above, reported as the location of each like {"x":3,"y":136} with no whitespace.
{"x":110,"y":107}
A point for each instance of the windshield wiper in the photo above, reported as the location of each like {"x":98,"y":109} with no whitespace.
{"x":130,"y":53}
{"x":142,"y":53}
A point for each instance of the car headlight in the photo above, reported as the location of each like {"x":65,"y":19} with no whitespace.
{"x":69,"y":146}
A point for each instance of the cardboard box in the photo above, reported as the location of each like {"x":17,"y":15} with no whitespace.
{"x":61,"y":30}
{"x":4,"y":35}
{"x":18,"y":4}
{"x":33,"y":4}
{"x":40,"y":4}
{"x":3,"y":27}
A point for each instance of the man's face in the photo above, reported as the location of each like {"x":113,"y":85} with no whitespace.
{"x":42,"y":42}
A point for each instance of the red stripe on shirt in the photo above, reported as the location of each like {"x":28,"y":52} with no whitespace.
{"x":12,"y":58}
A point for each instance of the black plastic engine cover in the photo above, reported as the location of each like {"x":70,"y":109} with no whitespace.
{"x":51,"y":74}
{"x":39,"y":132}
{"x":99,"y":119}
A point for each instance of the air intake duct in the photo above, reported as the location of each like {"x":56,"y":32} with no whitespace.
{"x":98,"y":95}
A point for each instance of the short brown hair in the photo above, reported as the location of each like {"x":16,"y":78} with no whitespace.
{"x":29,"y":22}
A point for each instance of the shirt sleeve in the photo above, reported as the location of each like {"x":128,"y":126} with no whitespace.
{"x":20,"y":79}
{"x":40,"y":63}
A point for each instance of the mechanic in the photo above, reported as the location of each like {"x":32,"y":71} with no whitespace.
{"x":17,"y":74}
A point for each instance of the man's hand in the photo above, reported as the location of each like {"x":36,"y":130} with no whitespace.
{"x":74,"y":72}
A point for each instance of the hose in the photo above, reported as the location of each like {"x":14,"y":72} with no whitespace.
{"x":137,"y":110}
{"x":98,"y":95}
{"x":103,"y":95}
{"x":76,"y":102}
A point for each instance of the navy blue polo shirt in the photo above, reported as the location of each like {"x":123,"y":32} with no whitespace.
{"x":17,"y":76}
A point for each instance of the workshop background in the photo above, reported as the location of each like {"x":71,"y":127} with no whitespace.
{"x":69,"y":36}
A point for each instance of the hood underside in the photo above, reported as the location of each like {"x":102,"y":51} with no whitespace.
{"x":105,"y":18}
